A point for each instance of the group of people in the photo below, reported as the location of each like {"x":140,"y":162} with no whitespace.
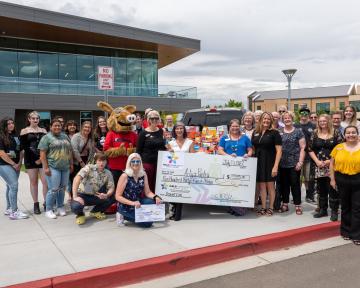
{"x":84,"y":161}
{"x":323,"y":151}
{"x":102,"y":168}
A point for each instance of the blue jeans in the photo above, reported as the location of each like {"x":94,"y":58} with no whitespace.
{"x":10,"y":176}
{"x":89,"y":200}
{"x":130,"y":215}
{"x":57,"y":183}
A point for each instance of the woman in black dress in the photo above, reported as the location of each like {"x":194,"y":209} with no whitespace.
{"x":150,"y":141}
{"x":29,"y":141}
{"x":267,"y":144}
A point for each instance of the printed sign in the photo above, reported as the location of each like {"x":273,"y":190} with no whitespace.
{"x":105,"y":78}
{"x":150,"y":213}
{"x":199,"y":178}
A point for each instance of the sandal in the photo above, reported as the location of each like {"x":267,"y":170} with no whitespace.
{"x":284,"y":208}
{"x":298,"y":210}
{"x":356,"y":242}
{"x":269,"y":212}
{"x":261,"y":212}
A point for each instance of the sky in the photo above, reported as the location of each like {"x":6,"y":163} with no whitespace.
{"x":245,"y":44}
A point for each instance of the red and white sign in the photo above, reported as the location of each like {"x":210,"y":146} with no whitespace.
{"x":105,"y":78}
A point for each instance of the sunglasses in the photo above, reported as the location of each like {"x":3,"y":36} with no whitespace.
{"x":154,"y":118}
{"x":135,"y":161}
{"x":282,"y":111}
{"x":313,"y":117}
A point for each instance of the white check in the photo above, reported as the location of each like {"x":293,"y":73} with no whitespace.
{"x":150,"y":213}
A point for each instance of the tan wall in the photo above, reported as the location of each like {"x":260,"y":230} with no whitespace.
{"x":273,"y":104}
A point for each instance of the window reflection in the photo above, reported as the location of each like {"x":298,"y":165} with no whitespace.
{"x":65,"y":69}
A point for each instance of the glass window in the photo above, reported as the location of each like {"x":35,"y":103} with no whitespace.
{"x":8,"y":42}
{"x":342,"y":105}
{"x":356,"y":104}
{"x":48,"y":73}
{"x":323,"y":108}
{"x":67,"y":74}
{"x":28,"y":72}
{"x":149,"y":76}
{"x":8,"y":71}
{"x":133,"y":74}
{"x":258,"y":107}
{"x":85,"y":74}
{"x":119,"y":65}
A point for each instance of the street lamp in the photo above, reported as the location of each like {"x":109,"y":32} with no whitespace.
{"x":289,"y":73}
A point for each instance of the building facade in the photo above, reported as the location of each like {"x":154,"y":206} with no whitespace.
{"x":49,"y":60}
{"x":318,"y":99}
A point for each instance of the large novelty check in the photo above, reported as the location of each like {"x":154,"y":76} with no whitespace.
{"x":199,"y":178}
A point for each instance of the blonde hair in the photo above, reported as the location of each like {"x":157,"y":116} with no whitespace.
{"x":259,"y":125}
{"x":290,"y":113}
{"x":330,"y":127}
{"x":248,"y":113}
{"x":152,"y":113}
{"x":129,"y":171}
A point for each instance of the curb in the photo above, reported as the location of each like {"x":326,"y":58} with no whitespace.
{"x":142,"y":270}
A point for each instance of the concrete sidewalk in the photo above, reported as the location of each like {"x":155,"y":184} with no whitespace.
{"x":38,"y":247}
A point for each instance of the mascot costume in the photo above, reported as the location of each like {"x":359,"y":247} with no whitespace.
{"x":120,"y":141}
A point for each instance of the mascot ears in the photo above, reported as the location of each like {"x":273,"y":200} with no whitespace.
{"x":106,"y":107}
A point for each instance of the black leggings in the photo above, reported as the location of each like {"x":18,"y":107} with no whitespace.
{"x":290,"y":178}
{"x":349,"y":189}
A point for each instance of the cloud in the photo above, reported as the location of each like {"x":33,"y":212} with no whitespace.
{"x":245,"y":44}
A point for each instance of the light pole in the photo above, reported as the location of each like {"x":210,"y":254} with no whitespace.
{"x":289,"y":73}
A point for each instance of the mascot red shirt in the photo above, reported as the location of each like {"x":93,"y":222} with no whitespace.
{"x":120,"y":140}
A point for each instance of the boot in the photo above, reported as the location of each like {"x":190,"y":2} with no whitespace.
{"x":321,"y":213}
{"x":334,"y":215}
{"x":37,"y":208}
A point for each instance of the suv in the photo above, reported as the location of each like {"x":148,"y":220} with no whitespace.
{"x":212,"y":117}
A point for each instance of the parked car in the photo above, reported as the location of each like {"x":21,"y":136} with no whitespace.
{"x":211,"y":117}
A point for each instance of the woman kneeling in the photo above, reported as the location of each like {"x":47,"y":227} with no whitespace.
{"x":133,"y":191}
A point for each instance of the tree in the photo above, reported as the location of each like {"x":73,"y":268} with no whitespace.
{"x":234,"y":103}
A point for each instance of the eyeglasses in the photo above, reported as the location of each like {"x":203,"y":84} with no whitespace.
{"x":281,"y":111}
{"x":154,"y":118}
{"x":313,"y":117}
{"x":135,"y":161}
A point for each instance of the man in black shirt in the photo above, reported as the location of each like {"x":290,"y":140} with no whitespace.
{"x":307,"y":128}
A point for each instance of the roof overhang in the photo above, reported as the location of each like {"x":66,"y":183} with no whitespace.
{"x":32,"y":23}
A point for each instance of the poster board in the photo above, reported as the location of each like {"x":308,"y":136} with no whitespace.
{"x":199,"y":178}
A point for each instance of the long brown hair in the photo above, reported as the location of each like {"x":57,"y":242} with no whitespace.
{"x":4,"y":133}
{"x":259,"y":125}
{"x":353,"y":118}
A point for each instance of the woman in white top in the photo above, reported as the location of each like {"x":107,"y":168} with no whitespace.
{"x":248,"y":124}
{"x":350,"y":118}
{"x":180,"y":143}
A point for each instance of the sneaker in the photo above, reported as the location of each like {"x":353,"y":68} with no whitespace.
{"x":61,"y":211}
{"x":120,"y":221}
{"x":7,"y":212}
{"x":80,"y":220}
{"x":50,"y":214}
{"x":17,"y":215}
{"x":98,"y":215}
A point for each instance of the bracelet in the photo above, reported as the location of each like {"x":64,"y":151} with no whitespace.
{"x":157,"y":197}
